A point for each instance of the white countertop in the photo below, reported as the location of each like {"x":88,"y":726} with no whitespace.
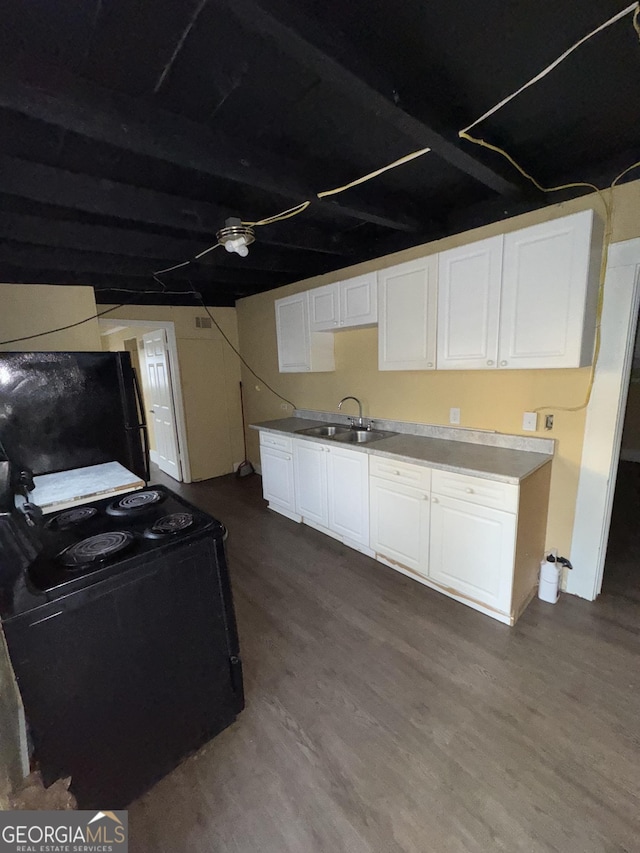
{"x":66,"y":489}
{"x":506,"y":464}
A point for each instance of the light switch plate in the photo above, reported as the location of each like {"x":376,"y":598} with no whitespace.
{"x":454,"y":416}
{"x":530,"y":421}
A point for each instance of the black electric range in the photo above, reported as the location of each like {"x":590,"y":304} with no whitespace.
{"x":84,"y":545}
{"x":123,"y":639}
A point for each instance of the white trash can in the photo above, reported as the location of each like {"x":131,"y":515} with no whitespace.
{"x":549,"y":581}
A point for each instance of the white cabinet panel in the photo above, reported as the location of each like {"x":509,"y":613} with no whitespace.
{"x":310,"y":475}
{"x":299,"y":349}
{"x":400,"y":524}
{"x":359,"y":301}
{"x":549,"y":293}
{"x":348,"y":487}
{"x":469,"y":283}
{"x":324,"y":308}
{"x":472,"y":551}
{"x":277,"y":478}
{"x":407,"y":315}
{"x":344,"y":305}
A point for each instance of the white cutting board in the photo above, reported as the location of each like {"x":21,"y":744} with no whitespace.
{"x":67,"y":489}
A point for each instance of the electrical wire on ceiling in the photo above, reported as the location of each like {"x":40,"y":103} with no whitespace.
{"x":607,"y":203}
{"x":464,"y":134}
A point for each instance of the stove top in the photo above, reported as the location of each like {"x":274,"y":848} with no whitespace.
{"x":83,"y":545}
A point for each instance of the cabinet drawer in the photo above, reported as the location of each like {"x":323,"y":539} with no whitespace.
{"x":400,"y":472}
{"x":477,"y":490}
{"x":278,"y":442}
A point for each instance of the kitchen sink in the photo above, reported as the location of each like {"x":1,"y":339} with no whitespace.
{"x":328,"y":431}
{"x":362,"y":436}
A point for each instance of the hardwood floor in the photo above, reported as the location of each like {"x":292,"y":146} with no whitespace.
{"x":383,"y":717}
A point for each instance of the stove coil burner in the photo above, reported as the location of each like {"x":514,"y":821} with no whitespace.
{"x":169,"y":525}
{"x":136,"y":502}
{"x":72,"y":517}
{"x":95,"y":549}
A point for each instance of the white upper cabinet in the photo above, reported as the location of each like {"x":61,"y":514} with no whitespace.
{"x":299,"y":349}
{"x":550,"y":293}
{"x":359,"y":301}
{"x":344,"y":305}
{"x":407,"y":315}
{"x":324,"y":308}
{"x":522,"y":300}
{"x":469,"y":282}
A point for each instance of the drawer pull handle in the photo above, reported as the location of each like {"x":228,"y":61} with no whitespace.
{"x":503,"y":363}
{"x":490,"y":362}
{"x":469,"y":491}
{"x":435,"y":500}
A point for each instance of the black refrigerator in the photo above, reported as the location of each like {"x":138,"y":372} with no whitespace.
{"x":65,"y":410}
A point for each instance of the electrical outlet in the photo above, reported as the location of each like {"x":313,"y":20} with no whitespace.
{"x":548,"y":421}
{"x":454,"y":416}
{"x":530,"y":421}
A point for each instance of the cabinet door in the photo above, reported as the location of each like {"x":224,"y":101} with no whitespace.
{"x":310,"y":476}
{"x":472,"y":551}
{"x":277,"y":477}
{"x":549,"y":294}
{"x":359,"y":301}
{"x":348,"y":484}
{"x":324,"y":308}
{"x":469,"y":282}
{"x":292,"y":331}
{"x":400,"y":524}
{"x":407,"y":315}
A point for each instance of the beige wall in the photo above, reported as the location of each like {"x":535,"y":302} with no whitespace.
{"x":487,"y":399}
{"x":210,"y":376}
{"x":27,"y":309}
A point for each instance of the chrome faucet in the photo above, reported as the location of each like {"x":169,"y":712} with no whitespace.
{"x":359,"y":423}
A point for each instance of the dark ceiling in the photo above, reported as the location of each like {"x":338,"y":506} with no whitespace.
{"x":130,"y":129}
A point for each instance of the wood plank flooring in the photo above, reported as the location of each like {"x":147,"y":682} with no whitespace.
{"x":383,"y":717}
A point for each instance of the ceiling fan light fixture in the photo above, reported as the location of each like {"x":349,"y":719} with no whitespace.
{"x":236,"y":237}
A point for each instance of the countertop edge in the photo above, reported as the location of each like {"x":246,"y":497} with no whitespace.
{"x":537,"y":463}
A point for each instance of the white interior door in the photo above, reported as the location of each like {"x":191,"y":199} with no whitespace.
{"x":157,"y":360}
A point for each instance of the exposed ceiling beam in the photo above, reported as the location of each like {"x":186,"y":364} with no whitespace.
{"x":66,"y":260}
{"x":309,"y":44}
{"x":62,"y":233}
{"x":89,"y":194}
{"x":115,"y":289}
{"x":134,"y":125}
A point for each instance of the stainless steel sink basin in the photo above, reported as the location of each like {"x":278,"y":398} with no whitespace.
{"x":362,"y":436}
{"x":328,"y":431}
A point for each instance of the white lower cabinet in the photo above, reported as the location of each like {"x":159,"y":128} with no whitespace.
{"x":400,"y":524}
{"x":276,"y":458}
{"x":472,"y":551}
{"x":310,"y":472}
{"x":475,"y":539}
{"x":332,"y":490}
{"x":348,"y":488}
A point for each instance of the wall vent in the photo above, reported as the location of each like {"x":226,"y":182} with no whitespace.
{"x":203,"y":322}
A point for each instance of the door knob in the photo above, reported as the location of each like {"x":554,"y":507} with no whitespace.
{"x":152,"y":411}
